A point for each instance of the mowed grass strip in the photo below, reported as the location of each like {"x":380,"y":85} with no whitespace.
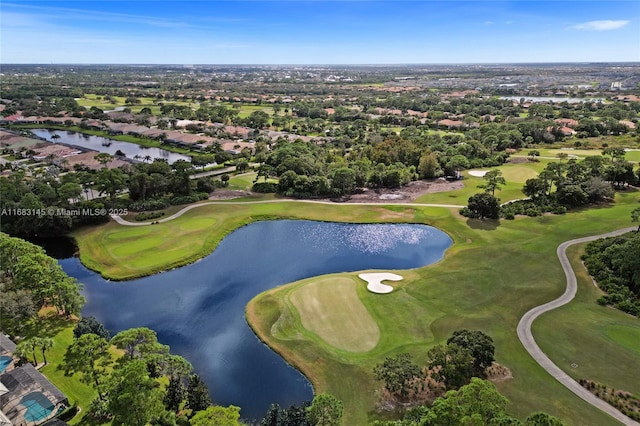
{"x":332,"y":309}
{"x":515,"y":175}
{"x":134,"y":251}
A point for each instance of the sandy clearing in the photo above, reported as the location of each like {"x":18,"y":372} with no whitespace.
{"x":477,"y":173}
{"x":375,"y":281}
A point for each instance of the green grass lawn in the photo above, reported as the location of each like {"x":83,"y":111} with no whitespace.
{"x":90,"y":99}
{"x":330,"y":308}
{"x":580,"y":153}
{"x":243,"y":181}
{"x":245,"y":110}
{"x":515,"y":174}
{"x":120,"y":252}
{"x":612,"y":336}
{"x":492,"y":274}
{"x":60,"y":329}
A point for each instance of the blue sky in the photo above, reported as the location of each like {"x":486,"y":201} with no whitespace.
{"x":318,"y":32}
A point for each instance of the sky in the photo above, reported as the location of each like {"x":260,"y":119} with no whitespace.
{"x":318,"y":32}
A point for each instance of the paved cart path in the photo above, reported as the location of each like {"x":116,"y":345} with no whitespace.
{"x":526,"y":337}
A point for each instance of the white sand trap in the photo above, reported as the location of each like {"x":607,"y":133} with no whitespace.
{"x":478,"y":173}
{"x":375,"y":281}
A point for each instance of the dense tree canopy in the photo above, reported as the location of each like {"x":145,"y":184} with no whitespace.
{"x":29,"y":280}
{"x":615,"y":264}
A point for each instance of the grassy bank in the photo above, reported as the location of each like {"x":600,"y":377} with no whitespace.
{"x":121,"y":253}
{"x":492,"y":274}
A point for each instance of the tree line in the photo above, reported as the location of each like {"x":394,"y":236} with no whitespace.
{"x":560,"y":186}
{"x":615,"y":264}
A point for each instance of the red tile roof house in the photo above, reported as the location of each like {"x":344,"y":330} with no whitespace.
{"x":188,"y":139}
{"x":115,"y":128}
{"x":235,"y":147}
{"x":238,"y":131}
{"x":93,"y":124}
{"x":629,"y":124}
{"x":413,"y":113}
{"x":152,"y":133}
{"x":59,"y":151}
{"x":567,"y":122}
{"x":567,"y":131}
{"x":449,"y":124}
{"x":12,"y":118}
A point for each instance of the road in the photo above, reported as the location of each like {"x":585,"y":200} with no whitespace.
{"x":529,"y":343}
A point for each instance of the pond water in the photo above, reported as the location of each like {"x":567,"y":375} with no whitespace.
{"x":99,"y":143}
{"x":199,"y":309}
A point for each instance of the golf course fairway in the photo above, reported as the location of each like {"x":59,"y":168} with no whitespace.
{"x":493,"y":273}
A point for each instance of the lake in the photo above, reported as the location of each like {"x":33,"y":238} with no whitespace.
{"x":110,"y":146}
{"x":199,"y":309}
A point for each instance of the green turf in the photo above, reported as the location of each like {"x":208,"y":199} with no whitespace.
{"x":596,"y":341}
{"x":625,"y":335}
{"x":579,"y":153}
{"x":123,"y":252}
{"x":89,"y":100}
{"x":243,"y":181}
{"x":515,"y":174}
{"x":492,"y":274}
{"x":330,"y":308}
{"x":60,"y":329}
{"x":488,"y":280}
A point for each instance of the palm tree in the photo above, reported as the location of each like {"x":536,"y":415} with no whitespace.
{"x":27,"y":346}
{"x":22,"y":351}
{"x":46,"y":343}
{"x":147,"y":158}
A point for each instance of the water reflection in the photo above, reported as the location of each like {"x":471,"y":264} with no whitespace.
{"x":110,"y":146}
{"x":199,"y":309}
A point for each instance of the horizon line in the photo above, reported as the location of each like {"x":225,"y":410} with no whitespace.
{"x":396,"y":64}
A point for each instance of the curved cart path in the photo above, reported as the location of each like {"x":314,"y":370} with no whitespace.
{"x":526,"y":337}
{"x":121,"y":221}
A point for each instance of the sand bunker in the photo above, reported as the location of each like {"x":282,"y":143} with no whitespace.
{"x":477,"y":173}
{"x":375,"y":281}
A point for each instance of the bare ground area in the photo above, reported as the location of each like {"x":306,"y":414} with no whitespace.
{"x":229,"y":194}
{"x":405,"y":194}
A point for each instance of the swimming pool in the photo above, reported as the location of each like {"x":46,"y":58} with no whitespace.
{"x":4,"y":362}
{"x":38,"y":406}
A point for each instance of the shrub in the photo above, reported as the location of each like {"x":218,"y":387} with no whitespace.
{"x":157,"y":204}
{"x":188,"y":199}
{"x":144,"y":216}
{"x":265,"y":187}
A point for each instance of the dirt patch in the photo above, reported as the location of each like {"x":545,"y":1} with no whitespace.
{"x":520,"y":160}
{"x":498,"y":373}
{"x":229,"y":194}
{"x":405,"y":194}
